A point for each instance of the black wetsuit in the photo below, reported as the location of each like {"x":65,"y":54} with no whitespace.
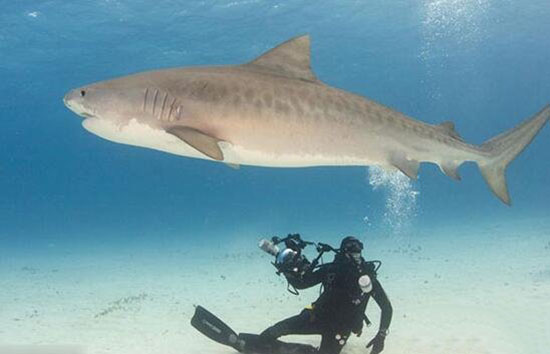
{"x":338,"y":312}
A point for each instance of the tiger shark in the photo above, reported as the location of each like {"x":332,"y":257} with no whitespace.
{"x":273,"y":111}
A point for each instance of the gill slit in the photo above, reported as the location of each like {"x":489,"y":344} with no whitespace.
{"x":144,"y":106}
{"x":163,"y":105}
{"x":170,"y":112}
{"x":155,"y":101}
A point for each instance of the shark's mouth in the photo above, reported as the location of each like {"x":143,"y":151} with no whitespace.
{"x":78,"y":109}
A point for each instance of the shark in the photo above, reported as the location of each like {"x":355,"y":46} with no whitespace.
{"x":273,"y":111}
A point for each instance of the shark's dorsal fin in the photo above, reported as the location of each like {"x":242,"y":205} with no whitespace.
{"x":291,"y":59}
{"x":449,"y":128}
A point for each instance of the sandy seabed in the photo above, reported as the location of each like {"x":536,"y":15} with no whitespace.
{"x":467,"y":290}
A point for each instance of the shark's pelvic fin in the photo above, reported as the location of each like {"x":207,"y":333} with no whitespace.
{"x":408,"y":167}
{"x":233,"y":165}
{"x":291,"y":59}
{"x":202,"y":142}
{"x":503,"y":148}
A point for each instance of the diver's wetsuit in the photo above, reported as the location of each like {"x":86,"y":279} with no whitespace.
{"x":338,"y":312}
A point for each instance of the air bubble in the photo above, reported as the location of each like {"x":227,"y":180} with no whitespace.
{"x":400,"y":197}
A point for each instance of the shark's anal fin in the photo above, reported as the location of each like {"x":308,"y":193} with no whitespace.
{"x":291,"y":59}
{"x":204,"y":143}
{"x":408,"y":167}
{"x":450,"y":169}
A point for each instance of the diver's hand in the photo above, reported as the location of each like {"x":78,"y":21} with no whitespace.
{"x":377,"y":343}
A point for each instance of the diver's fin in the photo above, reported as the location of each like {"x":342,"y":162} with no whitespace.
{"x":212,"y":327}
{"x":502,"y":149}
{"x":204,"y":143}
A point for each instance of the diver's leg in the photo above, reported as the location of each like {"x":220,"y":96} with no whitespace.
{"x":332,"y":342}
{"x":254,"y":343}
{"x":299,"y":324}
{"x":267,"y":343}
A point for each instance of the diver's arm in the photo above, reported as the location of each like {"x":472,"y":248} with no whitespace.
{"x":379,"y":295}
{"x":309,"y":278}
{"x":384,"y":303}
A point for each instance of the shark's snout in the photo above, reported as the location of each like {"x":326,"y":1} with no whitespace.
{"x":70,"y":98}
{"x":74,"y":100}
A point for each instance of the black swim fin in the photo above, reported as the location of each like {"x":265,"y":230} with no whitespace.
{"x":212,"y":327}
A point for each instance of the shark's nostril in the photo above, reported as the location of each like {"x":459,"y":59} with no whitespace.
{"x":82,"y":93}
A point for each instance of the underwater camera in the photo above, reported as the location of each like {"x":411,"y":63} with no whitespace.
{"x":290,"y":261}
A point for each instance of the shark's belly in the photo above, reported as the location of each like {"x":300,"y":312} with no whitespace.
{"x":236,"y":154}
{"x":143,"y":135}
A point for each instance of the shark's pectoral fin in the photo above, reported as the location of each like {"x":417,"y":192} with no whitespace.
{"x":204,"y":143}
{"x":408,"y":167}
{"x":450,"y":169}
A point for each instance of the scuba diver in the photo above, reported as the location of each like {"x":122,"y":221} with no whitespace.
{"x":347,"y":285}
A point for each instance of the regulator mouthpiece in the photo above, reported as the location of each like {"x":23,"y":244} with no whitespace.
{"x":268,"y":247}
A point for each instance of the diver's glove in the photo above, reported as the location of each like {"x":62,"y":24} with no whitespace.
{"x":377,"y":343}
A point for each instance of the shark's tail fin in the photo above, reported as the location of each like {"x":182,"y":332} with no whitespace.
{"x":502,"y":149}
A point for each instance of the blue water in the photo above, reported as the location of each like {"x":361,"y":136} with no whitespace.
{"x":483,"y":64}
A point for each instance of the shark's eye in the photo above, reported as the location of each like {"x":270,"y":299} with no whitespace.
{"x":82,"y":93}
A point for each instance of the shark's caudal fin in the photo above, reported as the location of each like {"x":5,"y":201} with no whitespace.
{"x":503,"y":148}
